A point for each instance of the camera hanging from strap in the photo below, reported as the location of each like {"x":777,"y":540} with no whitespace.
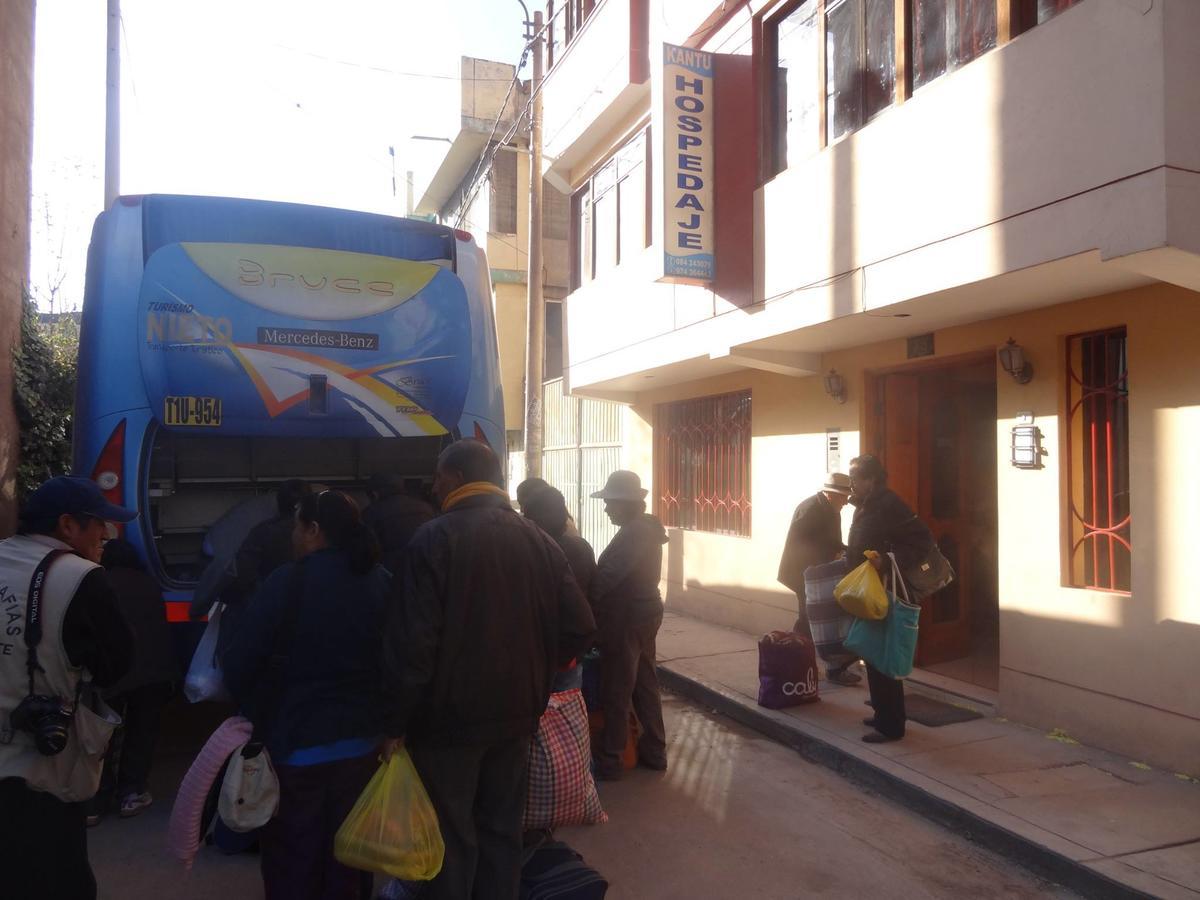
{"x":33,"y":613}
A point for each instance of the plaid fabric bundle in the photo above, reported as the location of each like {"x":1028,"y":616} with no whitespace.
{"x":561,"y":788}
{"x":829,"y":622}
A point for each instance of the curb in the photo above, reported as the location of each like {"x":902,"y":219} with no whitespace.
{"x":1038,"y":859}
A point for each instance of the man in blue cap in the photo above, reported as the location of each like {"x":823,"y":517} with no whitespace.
{"x":61,"y":637}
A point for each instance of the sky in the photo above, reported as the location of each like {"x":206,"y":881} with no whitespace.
{"x":274,"y":99}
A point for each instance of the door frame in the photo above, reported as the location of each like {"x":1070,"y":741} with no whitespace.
{"x":874,"y":428}
{"x":872,"y":415}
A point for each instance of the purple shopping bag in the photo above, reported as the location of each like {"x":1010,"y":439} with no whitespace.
{"x":787,"y":670}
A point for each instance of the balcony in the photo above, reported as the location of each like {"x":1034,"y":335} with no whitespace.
{"x":1064,"y":164}
{"x":598,"y":78}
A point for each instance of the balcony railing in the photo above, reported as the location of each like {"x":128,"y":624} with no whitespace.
{"x":565,"y":19}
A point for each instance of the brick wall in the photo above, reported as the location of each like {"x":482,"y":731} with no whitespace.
{"x":16,"y":152}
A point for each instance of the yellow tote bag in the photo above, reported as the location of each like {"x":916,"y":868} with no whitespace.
{"x":861,"y":593}
{"x":393,"y":828}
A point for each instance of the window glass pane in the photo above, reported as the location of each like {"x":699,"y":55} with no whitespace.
{"x":1048,"y":9}
{"x":584,"y":235}
{"x":554,"y":340}
{"x":632,"y":190}
{"x":948,"y":34}
{"x":879,"y":77}
{"x":973,"y":24}
{"x":843,"y":71}
{"x":604,"y":212}
{"x":929,"y":40}
{"x":797,"y":86}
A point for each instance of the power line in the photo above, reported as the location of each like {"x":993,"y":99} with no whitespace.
{"x":473,"y":183}
{"x":382,"y":69}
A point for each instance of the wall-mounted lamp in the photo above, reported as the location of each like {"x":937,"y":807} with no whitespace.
{"x":1026,"y":447}
{"x":1012,"y":360}
{"x":835,"y":386}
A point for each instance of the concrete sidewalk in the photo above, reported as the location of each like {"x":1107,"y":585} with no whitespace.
{"x":1101,"y":824}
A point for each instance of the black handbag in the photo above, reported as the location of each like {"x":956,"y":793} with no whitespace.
{"x":933,"y":571}
{"x":930,"y":575}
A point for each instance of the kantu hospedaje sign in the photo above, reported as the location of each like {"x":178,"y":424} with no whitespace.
{"x":688,"y":164}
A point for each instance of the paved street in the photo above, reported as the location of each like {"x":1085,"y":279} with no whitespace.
{"x":737,"y":816}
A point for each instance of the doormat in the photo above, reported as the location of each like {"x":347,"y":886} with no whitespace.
{"x":935,"y":713}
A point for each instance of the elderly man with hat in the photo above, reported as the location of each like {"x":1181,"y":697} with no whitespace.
{"x":815,"y":538}
{"x":64,"y":637}
{"x":629,"y":611}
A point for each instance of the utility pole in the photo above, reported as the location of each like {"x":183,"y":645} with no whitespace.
{"x":112,"y":107}
{"x":535,"y":344}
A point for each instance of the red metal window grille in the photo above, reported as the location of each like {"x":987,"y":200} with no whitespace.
{"x":702,"y":456}
{"x":1098,"y":460}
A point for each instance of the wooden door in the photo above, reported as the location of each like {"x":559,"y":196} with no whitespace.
{"x":938,"y":444}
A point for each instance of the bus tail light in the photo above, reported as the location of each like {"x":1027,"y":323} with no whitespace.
{"x":109,"y":473}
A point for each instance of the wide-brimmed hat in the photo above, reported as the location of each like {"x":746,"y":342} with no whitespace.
{"x":837,"y":483}
{"x":622,"y":485}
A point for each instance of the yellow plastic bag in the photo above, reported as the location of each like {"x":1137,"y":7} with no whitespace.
{"x":861,"y":593}
{"x":393,"y":828}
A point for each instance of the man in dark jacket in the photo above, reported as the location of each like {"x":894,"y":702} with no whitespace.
{"x":395,"y":514}
{"x":629,"y":612}
{"x":485,"y":612}
{"x":883,"y":523}
{"x":814,"y":538}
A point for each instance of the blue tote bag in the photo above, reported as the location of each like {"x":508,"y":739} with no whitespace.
{"x":889,"y":644}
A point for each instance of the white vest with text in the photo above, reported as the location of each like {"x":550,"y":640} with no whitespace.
{"x":73,"y":774}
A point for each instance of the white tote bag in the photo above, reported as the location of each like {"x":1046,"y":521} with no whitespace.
{"x":204,"y":681}
{"x":249,"y":795}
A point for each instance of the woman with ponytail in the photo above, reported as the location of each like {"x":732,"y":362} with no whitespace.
{"x":305,"y":667}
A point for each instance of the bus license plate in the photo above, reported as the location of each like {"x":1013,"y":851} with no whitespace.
{"x":192,"y":411}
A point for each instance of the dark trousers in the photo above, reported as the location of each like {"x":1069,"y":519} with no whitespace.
{"x":478,"y":792}
{"x":131,"y":751}
{"x":628,"y":679}
{"x":297,"y":845}
{"x":887,"y":696}
{"x":43,"y":848}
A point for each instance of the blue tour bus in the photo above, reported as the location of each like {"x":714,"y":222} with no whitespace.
{"x":228,"y":345}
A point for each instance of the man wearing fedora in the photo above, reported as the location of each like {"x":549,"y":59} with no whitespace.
{"x":815,"y":538}
{"x":629,"y":611}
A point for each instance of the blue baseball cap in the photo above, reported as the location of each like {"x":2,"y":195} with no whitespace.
{"x":73,"y":495}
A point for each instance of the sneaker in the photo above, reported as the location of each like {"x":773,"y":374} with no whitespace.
{"x":93,"y":820}
{"x":133,"y":804}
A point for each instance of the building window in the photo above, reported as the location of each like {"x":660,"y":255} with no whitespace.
{"x":553,"y":365}
{"x":860,"y":62}
{"x":556,"y":210}
{"x":1035,"y":12}
{"x":503,"y":193}
{"x":609,"y":209}
{"x":702,"y":464}
{"x":795,"y":41}
{"x":948,"y":34}
{"x":1098,"y":460}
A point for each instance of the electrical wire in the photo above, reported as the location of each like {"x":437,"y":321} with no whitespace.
{"x":475,"y":182}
